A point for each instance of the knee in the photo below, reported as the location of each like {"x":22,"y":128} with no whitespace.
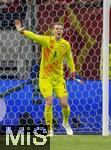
{"x":64,"y":105}
{"x":64,"y":102}
{"x":48,"y":101}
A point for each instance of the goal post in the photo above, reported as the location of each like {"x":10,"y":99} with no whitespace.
{"x":105,"y":118}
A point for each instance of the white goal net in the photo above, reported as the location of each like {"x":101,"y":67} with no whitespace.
{"x":20,"y":61}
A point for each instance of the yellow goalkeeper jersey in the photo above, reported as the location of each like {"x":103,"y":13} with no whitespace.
{"x":53,"y":54}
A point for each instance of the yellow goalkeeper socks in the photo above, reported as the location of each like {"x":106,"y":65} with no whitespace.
{"x":66,"y":113}
{"x":48,"y":116}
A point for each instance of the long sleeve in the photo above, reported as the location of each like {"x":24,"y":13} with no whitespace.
{"x":69,"y":59}
{"x":40,"y":39}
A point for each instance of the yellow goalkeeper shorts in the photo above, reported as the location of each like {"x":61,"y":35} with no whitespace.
{"x":49,"y":86}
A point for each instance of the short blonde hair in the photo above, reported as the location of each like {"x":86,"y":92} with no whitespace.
{"x":57,"y":23}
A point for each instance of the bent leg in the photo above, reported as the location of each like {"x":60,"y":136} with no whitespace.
{"x":65,"y":109}
{"x":61,"y":92}
{"x":66,"y":113}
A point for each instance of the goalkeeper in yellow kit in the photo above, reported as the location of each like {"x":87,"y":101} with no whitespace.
{"x":51,"y":78}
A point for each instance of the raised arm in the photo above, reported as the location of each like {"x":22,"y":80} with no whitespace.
{"x":40,"y":39}
{"x":19,"y":27}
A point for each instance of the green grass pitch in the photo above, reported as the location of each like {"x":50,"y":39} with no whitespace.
{"x":81,"y":142}
{"x":64,"y":142}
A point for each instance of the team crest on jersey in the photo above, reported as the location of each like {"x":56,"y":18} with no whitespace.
{"x":63,"y":45}
{"x":64,"y":49}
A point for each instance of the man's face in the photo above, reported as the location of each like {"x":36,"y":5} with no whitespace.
{"x":58,"y":31}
